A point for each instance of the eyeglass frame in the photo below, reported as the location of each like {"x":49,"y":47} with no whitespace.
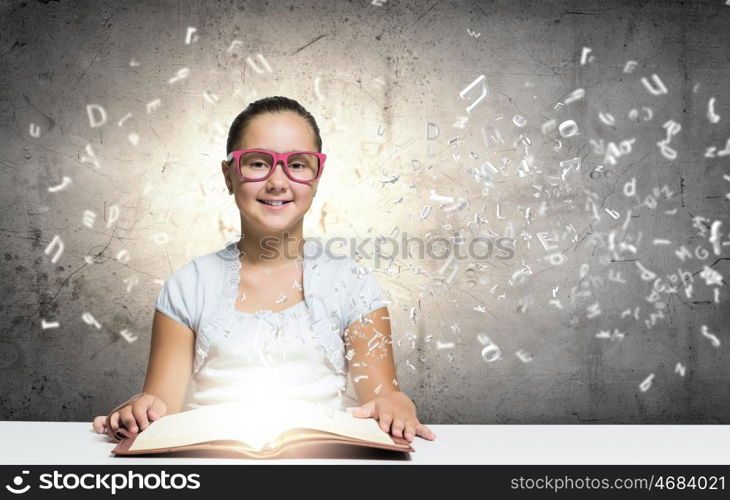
{"x":284,"y":157}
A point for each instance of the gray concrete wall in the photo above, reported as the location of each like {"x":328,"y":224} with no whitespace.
{"x":603,"y":322}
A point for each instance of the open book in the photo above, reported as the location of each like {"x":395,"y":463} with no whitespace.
{"x":259,"y":431}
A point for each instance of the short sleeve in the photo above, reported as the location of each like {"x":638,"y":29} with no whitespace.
{"x":177,"y":296}
{"x":365,"y":293}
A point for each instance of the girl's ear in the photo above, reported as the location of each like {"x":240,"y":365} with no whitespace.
{"x":226,"y":175}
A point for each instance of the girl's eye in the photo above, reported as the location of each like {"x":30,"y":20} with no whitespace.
{"x":297,"y":165}
{"x":258,"y":164}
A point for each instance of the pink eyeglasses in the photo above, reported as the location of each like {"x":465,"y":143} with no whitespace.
{"x":254,"y":165}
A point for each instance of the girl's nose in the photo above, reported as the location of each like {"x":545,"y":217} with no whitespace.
{"x":278,"y":178}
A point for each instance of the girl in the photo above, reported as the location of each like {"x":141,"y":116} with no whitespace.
{"x":269,"y":316}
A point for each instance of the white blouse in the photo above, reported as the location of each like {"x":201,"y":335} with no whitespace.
{"x":267,"y":356}
{"x":338,"y":291}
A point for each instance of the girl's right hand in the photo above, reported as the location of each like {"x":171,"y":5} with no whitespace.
{"x":131,"y":416}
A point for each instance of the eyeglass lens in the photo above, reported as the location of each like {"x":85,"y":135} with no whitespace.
{"x":302,"y":166}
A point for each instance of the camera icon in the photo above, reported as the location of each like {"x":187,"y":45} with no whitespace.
{"x":18,"y":482}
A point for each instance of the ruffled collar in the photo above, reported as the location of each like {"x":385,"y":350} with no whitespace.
{"x":231,"y":256}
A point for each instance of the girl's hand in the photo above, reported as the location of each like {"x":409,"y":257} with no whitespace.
{"x":396,"y":413}
{"x":131,"y":417}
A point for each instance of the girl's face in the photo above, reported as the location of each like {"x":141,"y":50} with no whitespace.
{"x":281,"y":133}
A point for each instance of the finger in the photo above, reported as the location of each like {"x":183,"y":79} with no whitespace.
{"x":411,"y":429}
{"x":424,"y":431}
{"x":114,"y":421}
{"x":360,"y":412}
{"x":386,"y":417}
{"x":158,"y":409}
{"x":99,"y":424}
{"x":365,"y":411}
{"x":117,"y":431}
{"x":139,"y":410}
{"x":127,"y":418}
{"x":124,"y":433}
{"x":398,"y":426}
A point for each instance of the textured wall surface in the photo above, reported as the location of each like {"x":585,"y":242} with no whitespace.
{"x":596,"y":134}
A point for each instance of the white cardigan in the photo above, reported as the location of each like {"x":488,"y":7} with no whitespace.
{"x":201,"y":295}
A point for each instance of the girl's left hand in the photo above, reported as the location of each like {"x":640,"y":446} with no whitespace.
{"x":396,"y":414}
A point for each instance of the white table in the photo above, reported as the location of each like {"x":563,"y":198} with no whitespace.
{"x":69,"y":443}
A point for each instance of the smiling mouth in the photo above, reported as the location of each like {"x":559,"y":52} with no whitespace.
{"x":274,"y":203}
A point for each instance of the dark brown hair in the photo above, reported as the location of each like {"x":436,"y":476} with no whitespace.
{"x":273,"y":104}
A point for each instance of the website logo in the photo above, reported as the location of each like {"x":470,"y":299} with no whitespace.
{"x":18,"y":487}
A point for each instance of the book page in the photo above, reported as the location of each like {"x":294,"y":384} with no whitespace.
{"x":229,"y":421}
{"x":255,"y":425}
{"x":341,"y":423}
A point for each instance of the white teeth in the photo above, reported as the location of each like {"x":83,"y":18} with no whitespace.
{"x":275,"y":203}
